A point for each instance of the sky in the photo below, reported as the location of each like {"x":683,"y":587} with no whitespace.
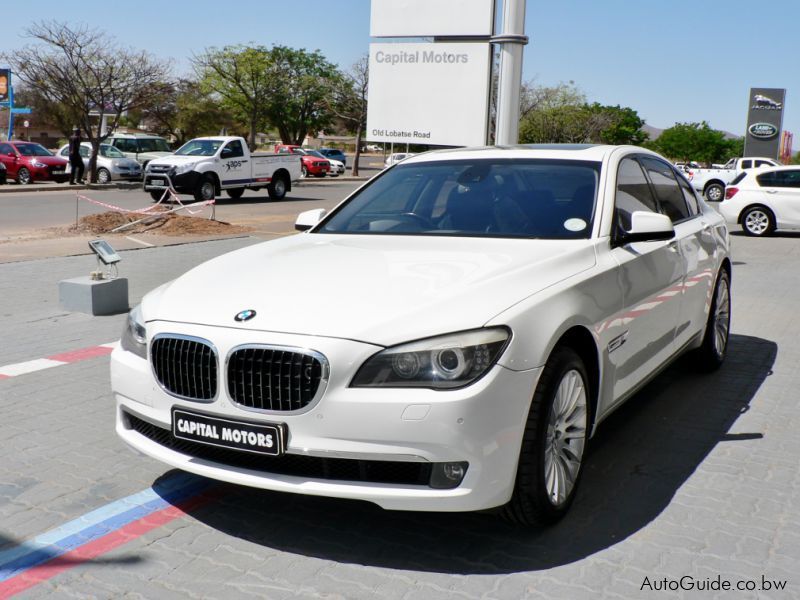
{"x":676,"y":61}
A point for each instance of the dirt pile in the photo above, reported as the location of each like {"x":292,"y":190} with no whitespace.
{"x":160,"y":223}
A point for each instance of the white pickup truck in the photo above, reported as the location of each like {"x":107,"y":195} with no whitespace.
{"x":204,"y":167}
{"x":711,"y":182}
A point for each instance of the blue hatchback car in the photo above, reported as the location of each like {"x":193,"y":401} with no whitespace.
{"x":334,"y":154}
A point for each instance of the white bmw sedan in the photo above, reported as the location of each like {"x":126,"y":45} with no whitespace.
{"x":448,"y":338}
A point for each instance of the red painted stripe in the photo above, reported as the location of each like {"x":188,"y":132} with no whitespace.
{"x":83,"y":354}
{"x":92,"y":550}
{"x":5,"y":376}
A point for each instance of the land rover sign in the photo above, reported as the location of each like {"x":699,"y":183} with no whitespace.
{"x":764,"y":119}
{"x":762,"y":131}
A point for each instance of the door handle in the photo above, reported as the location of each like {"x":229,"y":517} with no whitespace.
{"x":772,"y":191}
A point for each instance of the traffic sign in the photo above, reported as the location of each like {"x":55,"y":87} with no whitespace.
{"x":21,"y":111}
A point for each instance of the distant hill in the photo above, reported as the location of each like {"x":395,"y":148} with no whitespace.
{"x":654,"y":132}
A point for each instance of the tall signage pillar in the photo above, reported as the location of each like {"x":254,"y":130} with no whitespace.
{"x":438,"y":92}
{"x":764,"y":122}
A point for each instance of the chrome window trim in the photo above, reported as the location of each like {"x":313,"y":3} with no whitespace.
{"x":190,"y":338}
{"x":323,"y":382}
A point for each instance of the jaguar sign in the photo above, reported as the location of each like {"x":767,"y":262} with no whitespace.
{"x":764,"y":120}
{"x":762,"y":131}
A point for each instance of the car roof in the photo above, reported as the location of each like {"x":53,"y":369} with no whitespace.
{"x":136,"y":136}
{"x":590,"y":152}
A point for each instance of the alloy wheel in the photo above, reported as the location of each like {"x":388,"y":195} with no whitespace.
{"x":565,"y":438}
{"x":722,"y":317}
{"x":757,"y":222}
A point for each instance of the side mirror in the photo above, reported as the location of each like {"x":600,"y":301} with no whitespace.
{"x":12,"y":155}
{"x":308,"y":219}
{"x":647,"y":227}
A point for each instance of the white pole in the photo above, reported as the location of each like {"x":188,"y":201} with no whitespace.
{"x":511,"y":40}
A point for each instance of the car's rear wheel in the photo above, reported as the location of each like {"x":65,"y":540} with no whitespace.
{"x":758,"y":221}
{"x":553,"y":445}
{"x":103,"y":175}
{"x":303,"y":171}
{"x":277,"y":188}
{"x":712,"y":352}
{"x":714,"y":192}
{"x":24,"y":176}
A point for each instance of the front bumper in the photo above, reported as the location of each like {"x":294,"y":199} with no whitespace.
{"x":185,"y":183}
{"x":481,"y":425}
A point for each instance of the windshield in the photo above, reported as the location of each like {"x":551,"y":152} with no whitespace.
{"x":109,"y":151}
{"x":199,"y":148}
{"x":153,"y":145}
{"x":315,"y":153}
{"x":534,"y":198}
{"x":33,"y":150}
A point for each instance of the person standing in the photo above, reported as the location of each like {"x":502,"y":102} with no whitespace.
{"x":75,"y":158}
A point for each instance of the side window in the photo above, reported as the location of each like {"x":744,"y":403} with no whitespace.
{"x":64,"y":151}
{"x":670,"y":197}
{"x":783,"y":179}
{"x":5,"y":149}
{"x":232,"y":150}
{"x":84,"y":152}
{"x":747,"y":164}
{"x":763,"y":163}
{"x":768,"y":179}
{"x":689,"y":195}
{"x":633,"y":193}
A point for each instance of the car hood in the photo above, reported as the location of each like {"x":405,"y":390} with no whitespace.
{"x":52,"y":161}
{"x":376,"y":288}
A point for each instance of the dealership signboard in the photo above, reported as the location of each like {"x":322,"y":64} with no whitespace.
{"x":5,"y":85}
{"x":428,"y":18}
{"x":429,"y":93}
{"x":764,"y":122}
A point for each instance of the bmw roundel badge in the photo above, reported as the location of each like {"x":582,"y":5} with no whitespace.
{"x":245,"y":315}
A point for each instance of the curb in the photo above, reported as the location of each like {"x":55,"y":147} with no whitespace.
{"x":61,"y":187}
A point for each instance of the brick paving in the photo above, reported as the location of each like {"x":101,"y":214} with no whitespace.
{"x":697,"y":476}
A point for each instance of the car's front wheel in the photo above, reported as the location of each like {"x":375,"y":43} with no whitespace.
{"x":24,"y":176}
{"x":553,"y":445}
{"x":206,"y":190}
{"x":758,"y":221}
{"x":103,"y":176}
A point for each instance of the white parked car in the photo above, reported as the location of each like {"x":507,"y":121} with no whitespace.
{"x":111,"y":163}
{"x":711,"y":182}
{"x":764,"y":200}
{"x":446,"y":339}
{"x":397,"y":157}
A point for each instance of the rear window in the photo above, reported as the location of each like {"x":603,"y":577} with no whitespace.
{"x":738,"y":178}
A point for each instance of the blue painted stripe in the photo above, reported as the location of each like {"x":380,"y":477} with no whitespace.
{"x":98,"y":523}
{"x":234,"y":181}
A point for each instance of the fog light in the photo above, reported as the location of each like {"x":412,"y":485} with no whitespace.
{"x":445,"y":476}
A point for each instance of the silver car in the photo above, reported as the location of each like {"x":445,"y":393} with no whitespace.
{"x":111,"y":163}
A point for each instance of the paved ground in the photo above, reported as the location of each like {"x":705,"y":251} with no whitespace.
{"x":698,"y":476}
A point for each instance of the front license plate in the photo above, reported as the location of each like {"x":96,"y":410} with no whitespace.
{"x":258,"y":438}
{"x":59,"y":172}
{"x":156,"y":182}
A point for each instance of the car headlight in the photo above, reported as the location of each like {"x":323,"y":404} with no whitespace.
{"x":134,"y":335}
{"x":185,"y":168}
{"x":444,"y":362}
{"x":38,"y":164}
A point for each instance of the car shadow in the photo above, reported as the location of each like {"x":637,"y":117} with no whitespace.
{"x":775,"y":234}
{"x":638,"y":460}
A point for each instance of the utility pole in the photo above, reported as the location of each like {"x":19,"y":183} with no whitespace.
{"x":511,"y":41}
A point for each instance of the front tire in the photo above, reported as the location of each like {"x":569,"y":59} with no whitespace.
{"x":714,"y":192}
{"x":303,"y":171}
{"x":553,"y":445}
{"x":156,"y":196}
{"x":24,"y":177}
{"x":235,"y":193}
{"x":714,"y":349}
{"x":206,"y":190}
{"x":277,"y":189}
{"x":758,"y":221}
{"x":103,"y":176}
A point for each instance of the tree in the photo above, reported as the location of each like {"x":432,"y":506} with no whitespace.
{"x":302,"y":83}
{"x":348,"y":102}
{"x":624,"y":125}
{"x":243,"y":78}
{"x":694,"y":141}
{"x":45,"y":111}
{"x":85,"y":72}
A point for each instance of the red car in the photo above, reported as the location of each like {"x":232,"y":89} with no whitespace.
{"x":311,"y":165}
{"x":28,"y":162}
